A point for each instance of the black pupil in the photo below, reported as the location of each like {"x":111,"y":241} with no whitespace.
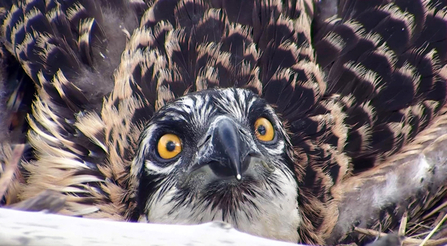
{"x":262,"y":130}
{"x":170,"y":146}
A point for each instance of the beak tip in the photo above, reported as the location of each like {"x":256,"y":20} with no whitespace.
{"x":238,"y":177}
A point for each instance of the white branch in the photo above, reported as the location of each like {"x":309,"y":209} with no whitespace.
{"x":37,"y":228}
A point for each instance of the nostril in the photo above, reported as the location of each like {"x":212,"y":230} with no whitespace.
{"x":204,"y":141}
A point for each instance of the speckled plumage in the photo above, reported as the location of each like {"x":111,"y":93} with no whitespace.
{"x":358,"y":88}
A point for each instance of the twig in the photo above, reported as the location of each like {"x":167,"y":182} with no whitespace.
{"x":403,"y":224}
{"x":405,"y":241}
{"x":437,"y":209}
{"x":370,"y":232}
{"x":433,"y":231}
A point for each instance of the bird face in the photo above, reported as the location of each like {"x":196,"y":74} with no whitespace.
{"x":218,"y":155}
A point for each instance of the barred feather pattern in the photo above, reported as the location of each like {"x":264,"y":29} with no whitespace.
{"x":390,"y":75}
{"x":355,"y":84}
{"x":70,"y":50}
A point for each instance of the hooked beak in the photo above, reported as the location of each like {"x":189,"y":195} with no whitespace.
{"x":226,"y":153}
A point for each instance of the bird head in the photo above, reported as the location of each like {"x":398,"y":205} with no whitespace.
{"x":222,"y":155}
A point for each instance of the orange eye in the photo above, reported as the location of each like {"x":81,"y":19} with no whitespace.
{"x":169,"y":146}
{"x":264,"y":130}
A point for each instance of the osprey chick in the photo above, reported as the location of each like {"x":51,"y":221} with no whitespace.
{"x":269,"y":115}
{"x":218,"y":155}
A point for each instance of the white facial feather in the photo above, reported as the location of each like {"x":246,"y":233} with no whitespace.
{"x":272,"y":215}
